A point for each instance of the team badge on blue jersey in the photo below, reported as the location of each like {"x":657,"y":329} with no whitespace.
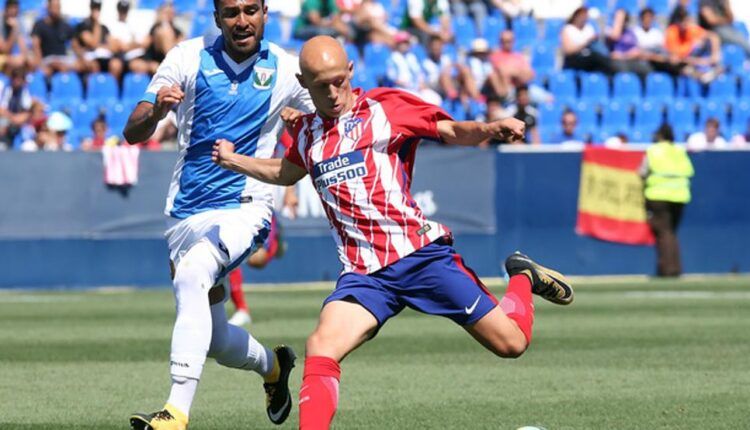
{"x":263,"y":78}
{"x":353,"y":128}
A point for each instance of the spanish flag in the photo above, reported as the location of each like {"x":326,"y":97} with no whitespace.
{"x":610,"y":201}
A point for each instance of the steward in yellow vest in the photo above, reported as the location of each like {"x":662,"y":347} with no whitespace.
{"x":666,"y":171}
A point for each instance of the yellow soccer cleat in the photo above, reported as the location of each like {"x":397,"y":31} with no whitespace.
{"x":168,"y":418}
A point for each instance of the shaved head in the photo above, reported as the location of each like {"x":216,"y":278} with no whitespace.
{"x":326,"y":72}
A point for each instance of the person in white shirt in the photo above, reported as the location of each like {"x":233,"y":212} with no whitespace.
{"x":649,"y":37}
{"x":123,"y":39}
{"x":404,"y":71}
{"x":710,"y":138}
{"x":581,"y":46}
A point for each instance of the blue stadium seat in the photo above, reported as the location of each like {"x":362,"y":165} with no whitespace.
{"x":740,"y":115}
{"x":364,"y":80}
{"x":586,"y":113}
{"x":713,"y":109}
{"x":616,"y":115}
{"x":681,"y":113}
{"x":660,"y":7}
{"x":375,"y":56}
{"x":464,"y":31}
{"x":550,"y":115}
{"x":273,"y":30}
{"x":134,"y":86}
{"x":203,"y":24}
{"x":690,"y":88}
{"x":37,"y":85}
{"x":631,"y":6}
{"x":594,"y":87}
{"x":563,"y":87}
{"x":66,"y":86}
{"x":83,"y":115}
{"x":493,"y":26}
{"x":659,"y":87}
{"x":149,"y":4}
{"x":626,"y":88}
{"x":352,"y":52}
{"x":525,"y":30}
{"x":723,"y":88}
{"x":552,"y":29}
{"x":117,"y":116}
{"x":744,"y":86}
{"x":648,"y":116}
{"x":734,"y":58}
{"x":602,"y":5}
{"x":101,"y":88}
{"x":742,"y":27}
{"x":543,"y":59}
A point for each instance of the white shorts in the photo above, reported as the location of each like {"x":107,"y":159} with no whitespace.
{"x":233,"y":233}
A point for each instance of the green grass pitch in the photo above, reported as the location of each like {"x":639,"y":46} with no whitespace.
{"x":625,"y":355}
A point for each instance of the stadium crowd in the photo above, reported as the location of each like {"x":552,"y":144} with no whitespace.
{"x":612,"y":72}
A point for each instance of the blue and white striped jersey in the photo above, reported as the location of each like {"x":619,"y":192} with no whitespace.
{"x":223,"y":99}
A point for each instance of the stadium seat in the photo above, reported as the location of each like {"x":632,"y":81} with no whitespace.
{"x":713,"y":109}
{"x":464,"y":31}
{"x":631,"y":6}
{"x":659,"y":87}
{"x":37,"y":85}
{"x":525,"y":30}
{"x":647,"y":116}
{"x":660,"y":7}
{"x":601,"y":5}
{"x":117,"y":116}
{"x":134,"y":86}
{"x":67,"y":87}
{"x":552,"y":29}
{"x":149,"y":4}
{"x":273,"y":30}
{"x":740,"y":115}
{"x":364,"y":80}
{"x":616,"y":115}
{"x":203,"y":24}
{"x":101,"y":88}
{"x":742,"y":27}
{"x":376,"y":56}
{"x":352,"y":52}
{"x":626,"y":88}
{"x":543,"y":59}
{"x":734,"y":58}
{"x":550,"y":114}
{"x":681,"y":113}
{"x":493,"y":26}
{"x":690,"y":88}
{"x":594,"y":87}
{"x":83,"y":115}
{"x":563,"y":87}
{"x":586,"y":112}
{"x":723,"y":88}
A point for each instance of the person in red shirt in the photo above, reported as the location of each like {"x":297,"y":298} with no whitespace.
{"x":359,"y":149}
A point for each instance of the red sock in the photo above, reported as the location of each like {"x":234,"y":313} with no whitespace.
{"x":235,"y":290}
{"x":518,"y":304}
{"x":319,"y":395}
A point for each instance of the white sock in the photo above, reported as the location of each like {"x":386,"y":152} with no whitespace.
{"x":182,"y":394}
{"x":191,"y":336}
{"x":232,"y":346}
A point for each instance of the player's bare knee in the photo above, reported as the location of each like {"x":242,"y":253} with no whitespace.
{"x":511,"y":348}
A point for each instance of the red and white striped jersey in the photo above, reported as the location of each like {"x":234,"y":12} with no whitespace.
{"x":361,"y":165}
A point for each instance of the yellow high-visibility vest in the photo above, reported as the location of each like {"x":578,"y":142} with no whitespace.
{"x":670,"y":171}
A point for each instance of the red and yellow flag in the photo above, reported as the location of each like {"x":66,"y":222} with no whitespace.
{"x":610,"y":200}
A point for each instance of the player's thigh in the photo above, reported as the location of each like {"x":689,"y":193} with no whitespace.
{"x":499,"y":334}
{"x":343,"y":326}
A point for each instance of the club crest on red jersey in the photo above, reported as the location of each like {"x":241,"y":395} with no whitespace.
{"x":353,"y":128}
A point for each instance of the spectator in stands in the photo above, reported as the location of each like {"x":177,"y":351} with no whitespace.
{"x":697,"y":49}
{"x":321,"y":17}
{"x":513,"y":65}
{"x":369,"y":21}
{"x":438,"y":70}
{"x":523,"y":110}
{"x":488,"y":79}
{"x":420,"y":13}
{"x":709,"y":138}
{"x":50,"y":37}
{"x":164,"y":35}
{"x":51,"y":135}
{"x":581,"y":45}
{"x":476,"y":8}
{"x":15,"y":107}
{"x":14,"y":50}
{"x":649,"y":37}
{"x":742,"y":139}
{"x":569,"y":131}
{"x":123,"y":40}
{"x":91,"y":44}
{"x":101,"y":138}
{"x":717,"y":16}
{"x":404,"y":71}
{"x":626,"y":54}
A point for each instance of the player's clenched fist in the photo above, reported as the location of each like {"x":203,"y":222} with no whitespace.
{"x":223,"y":151}
{"x":166,"y":99}
{"x":508,"y":129}
{"x":290,"y":117}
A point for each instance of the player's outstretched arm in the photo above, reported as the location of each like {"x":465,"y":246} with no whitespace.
{"x":146,"y":116}
{"x":472,"y":133}
{"x":275,"y":171}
